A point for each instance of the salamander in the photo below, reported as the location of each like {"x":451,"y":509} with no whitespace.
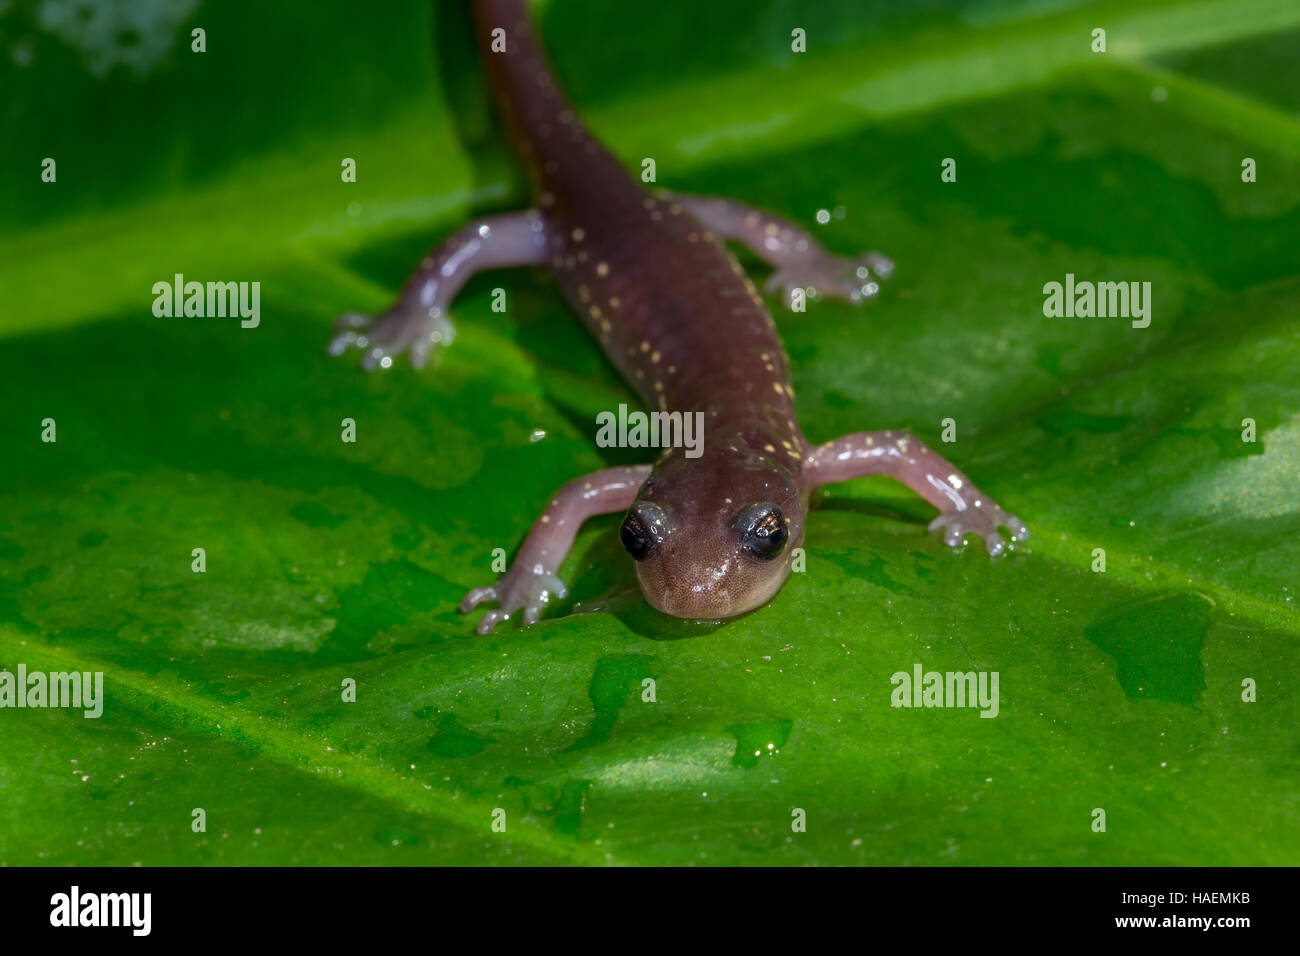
{"x":653,"y":281}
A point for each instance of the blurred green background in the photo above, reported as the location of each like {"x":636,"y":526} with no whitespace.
{"x":1119,"y":690}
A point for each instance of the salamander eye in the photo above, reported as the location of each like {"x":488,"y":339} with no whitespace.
{"x":763,"y":530}
{"x":642,"y":530}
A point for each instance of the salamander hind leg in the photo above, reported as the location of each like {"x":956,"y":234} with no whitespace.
{"x":417,"y":322}
{"x":798,"y":260}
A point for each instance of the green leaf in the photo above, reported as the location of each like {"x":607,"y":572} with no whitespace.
{"x":328,"y":561}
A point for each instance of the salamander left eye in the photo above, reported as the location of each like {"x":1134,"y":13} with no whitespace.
{"x":763,"y":530}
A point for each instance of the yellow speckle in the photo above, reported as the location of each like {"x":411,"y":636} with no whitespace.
{"x":770,"y":229}
{"x":645,"y":346}
{"x":602,"y":269}
{"x":654,"y":357}
{"x":579,"y":235}
{"x":615,"y":302}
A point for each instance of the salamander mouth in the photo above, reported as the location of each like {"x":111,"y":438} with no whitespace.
{"x":714,"y":600}
{"x":714,"y":606}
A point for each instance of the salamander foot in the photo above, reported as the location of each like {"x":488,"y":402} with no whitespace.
{"x":382,"y":337}
{"x":529,"y":590}
{"x":983,"y":518}
{"x":822,"y":275}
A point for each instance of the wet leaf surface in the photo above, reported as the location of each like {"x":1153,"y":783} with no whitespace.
{"x":329,"y":561}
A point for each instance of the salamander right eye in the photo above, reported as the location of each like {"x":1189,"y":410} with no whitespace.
{"x":642,"y":529}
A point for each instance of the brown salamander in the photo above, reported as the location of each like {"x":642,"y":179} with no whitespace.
{"x":652,"y":280}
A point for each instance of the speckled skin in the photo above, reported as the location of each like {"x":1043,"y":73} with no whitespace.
{"x":651,"y":279}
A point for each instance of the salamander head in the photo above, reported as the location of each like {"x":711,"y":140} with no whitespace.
{"x":713,"y":536}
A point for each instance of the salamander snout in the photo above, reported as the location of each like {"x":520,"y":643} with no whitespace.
{"x":718,"y":566}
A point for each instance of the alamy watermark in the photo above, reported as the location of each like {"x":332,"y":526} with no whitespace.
{"x":74,"y":689}
{"x":1102,"y":300}
{"x":923,"y":688}
{"x":213,"y":300}
{"x":75,"y":908}
{"x":651,"y":430}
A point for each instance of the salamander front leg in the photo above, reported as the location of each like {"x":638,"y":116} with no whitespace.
{"x":417,"y":321}
{"x":963,"y":508}
{"x":531,"y":581}
{"x":799,"y":260}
